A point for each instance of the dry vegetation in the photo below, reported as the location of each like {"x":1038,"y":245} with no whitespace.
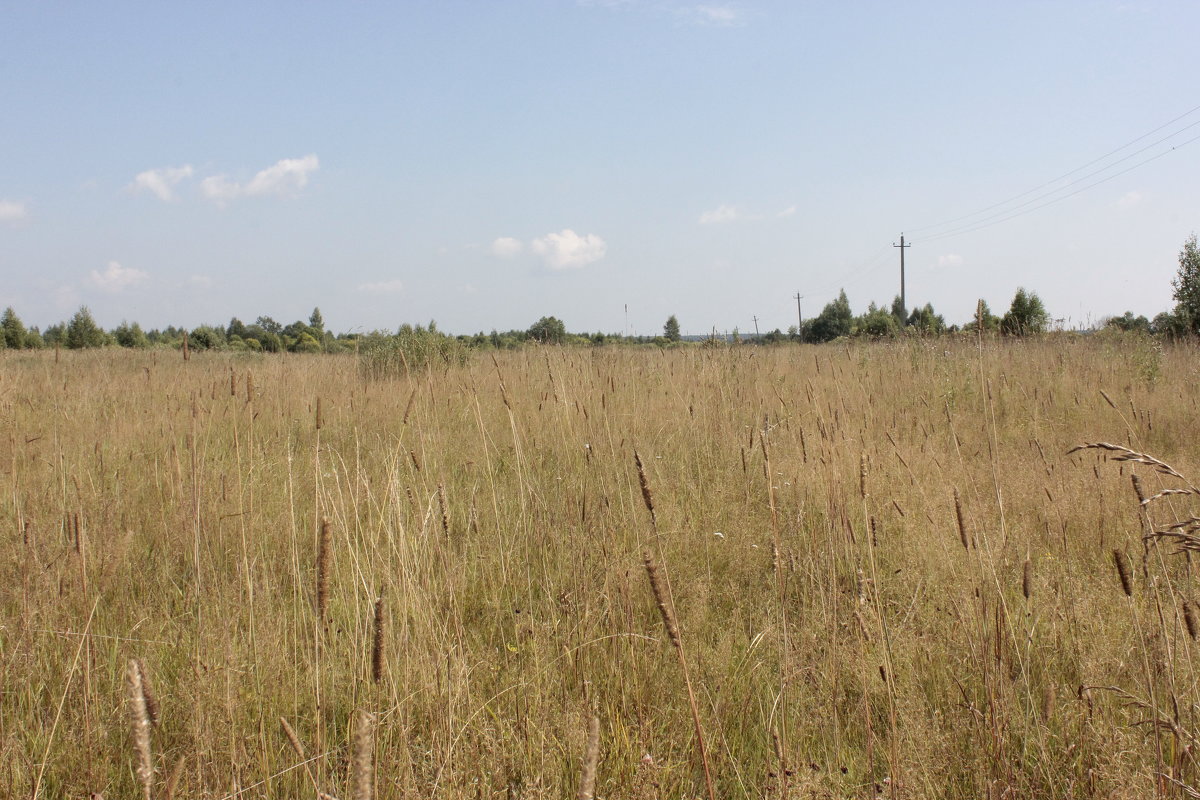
{"x":878,"y":572}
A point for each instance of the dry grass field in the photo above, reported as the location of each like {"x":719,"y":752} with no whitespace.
{"x":879,"y":573}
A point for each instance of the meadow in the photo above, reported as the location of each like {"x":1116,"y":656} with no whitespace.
{"x":877,"y":571}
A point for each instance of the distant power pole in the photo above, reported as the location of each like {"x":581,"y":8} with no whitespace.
{"x":799,"y":317}
{"x":903,"y":303}
{"x":756,"y":326}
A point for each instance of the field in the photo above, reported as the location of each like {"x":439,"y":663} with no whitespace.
{"x":887,"y":575}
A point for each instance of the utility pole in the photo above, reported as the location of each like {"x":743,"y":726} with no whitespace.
{"x":903,"y":303}
{"x":756,"y":327}
{"x":800,"y":317}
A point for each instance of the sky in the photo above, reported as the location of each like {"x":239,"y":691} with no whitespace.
{"x":607,"y":162}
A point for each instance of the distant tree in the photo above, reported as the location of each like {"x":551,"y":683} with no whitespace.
{"x":1128,"y":322}
{"x":33,"y":339}
{"x":269,"y":325}
{"x":548,"y":330}
{"x":671,"y":329}
{"x":206,"y":337}
{"x":82,"y":331}
{"x":1169,"y":326}
{"x":305,"y":343}
{"x":1187,"y":285}
{"x":11,"y":329}
{"x":237,"y":328}
{"x":898,"y":312}
{"x":1025,"y":316}
{"x":315,"y":320}
{"x":983,"y":318}
{"x":925,"y":321}
{"x":773,"y":337}
{"x":877,"y":322}
{"x":55,"y":335}
{"x":834,"y":320}
{"x":130,"y":335}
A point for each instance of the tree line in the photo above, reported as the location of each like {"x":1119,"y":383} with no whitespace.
{"x":1026,"y":315}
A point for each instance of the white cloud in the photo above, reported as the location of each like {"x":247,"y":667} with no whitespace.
{"x":161,"y":182}
{"x":569,"y":250}
{"x":200,"y":281}
{"x":787,"y":212}
{"x":718,"y":16}
{"x":115,"y":277}
{"x":382,"y":287}
{"x":719,"y":215}
{"x":949,"y":261}
{"x":12,"y":211}
{"x":506,"y":247}
{"x":1131,"y":199}
{"x":282,"y":177}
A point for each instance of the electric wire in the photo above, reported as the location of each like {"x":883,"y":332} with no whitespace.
{"x":1105,"y":179}
{"x":1053,"y":181}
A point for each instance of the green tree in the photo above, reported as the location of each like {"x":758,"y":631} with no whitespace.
{"x":834,"y":320}
{"x":1025,"y":316}
{"x":130,"y":335}
{"x":983,"y":318}
{"x":82,"y":331}
{"x":1187,"y":285}
{"x":925,"y":321}
{"x":671,"y":329}
{"x":1128,"y":322}
{"x":12,"y":330}
{"x":548,"y":330}
{"x":315,"y":320}
{"x":206,"y":337}
{"x":877,"y":322}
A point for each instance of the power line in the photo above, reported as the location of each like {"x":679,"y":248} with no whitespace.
{"x":1069,"y":174}
{"x":1105,"y":179}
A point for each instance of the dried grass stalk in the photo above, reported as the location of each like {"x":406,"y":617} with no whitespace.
{"x":152,"y":707}
{"x":962,"y":525}
{"x":1123,"y":571}
{"x":591,"y":757}
{"x":647,"y":495}
{"x":324,"y":545}
{"x":364,"y":757}
{"x":660,"y":598}
{"x":139,"y":719}
{"x":377,"y":643}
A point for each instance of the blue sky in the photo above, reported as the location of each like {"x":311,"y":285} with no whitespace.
{"x":484,"y":164}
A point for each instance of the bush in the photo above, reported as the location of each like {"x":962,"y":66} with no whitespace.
{"x":411,"y":349}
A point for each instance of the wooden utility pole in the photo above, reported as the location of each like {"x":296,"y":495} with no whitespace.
{"x":903,"y":302}
{"x":799,"y":317}
{"x":756,"y":327}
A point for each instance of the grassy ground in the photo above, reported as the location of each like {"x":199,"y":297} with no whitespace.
{"x":840,"y":639}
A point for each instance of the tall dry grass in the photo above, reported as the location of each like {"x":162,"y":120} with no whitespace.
{"x":890,"y":577}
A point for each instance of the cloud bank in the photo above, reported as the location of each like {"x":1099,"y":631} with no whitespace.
{"x":720,"y":215}
{"x":116,"y":278}
{"x":161,"y":182}
{"x":382,"y":287}
{"x":283,"y":177}
{"x":569,"y":250}
{"x":506,"y":247}
{"x":12,"y":211}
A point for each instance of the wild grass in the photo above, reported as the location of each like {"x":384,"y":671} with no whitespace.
{"x":889,"y":575}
